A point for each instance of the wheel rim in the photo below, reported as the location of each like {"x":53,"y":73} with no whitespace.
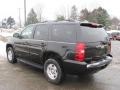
{"x":52,"y":71}
{"x":10,"y":54}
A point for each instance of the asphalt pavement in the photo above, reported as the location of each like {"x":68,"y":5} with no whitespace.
{"x":24,"y":77}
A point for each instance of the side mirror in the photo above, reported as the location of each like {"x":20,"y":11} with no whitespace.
{"x":16,"y":35}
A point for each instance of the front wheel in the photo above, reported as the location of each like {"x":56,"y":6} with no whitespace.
{"x":10,"y":55}
{"x":53,"y":71}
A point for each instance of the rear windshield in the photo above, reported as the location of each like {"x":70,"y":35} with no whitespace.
{"x":88,"y":34}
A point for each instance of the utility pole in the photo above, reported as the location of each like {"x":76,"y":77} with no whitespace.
{"x":25,"y":11}
{"x":19,"y":18}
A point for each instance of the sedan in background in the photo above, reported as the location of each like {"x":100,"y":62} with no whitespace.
{"x":118,"y":37}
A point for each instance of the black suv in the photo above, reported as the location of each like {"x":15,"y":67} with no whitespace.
{"x":61,"y":48}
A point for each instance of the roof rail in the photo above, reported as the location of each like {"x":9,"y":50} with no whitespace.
{"x":69,"y":20}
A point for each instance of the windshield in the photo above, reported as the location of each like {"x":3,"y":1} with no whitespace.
{"x":88,"y":34}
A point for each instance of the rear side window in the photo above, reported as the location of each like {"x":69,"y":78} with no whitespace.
{"x":89,"y":34}
{"x":41,"y":32}
{"x":64,"y":33}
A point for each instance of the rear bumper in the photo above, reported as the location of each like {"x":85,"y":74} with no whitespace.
{"x":76,"y":67}
{"x":100,"y":63}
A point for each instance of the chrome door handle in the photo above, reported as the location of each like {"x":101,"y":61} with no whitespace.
{"x":43,"y":44}
{"x":64,"y":46}
{"x":25,"y":43}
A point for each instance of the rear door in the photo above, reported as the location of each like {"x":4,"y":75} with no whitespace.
{"x":63,"y":38}
{"x":39,"y":44}
{"x":96,"y":40}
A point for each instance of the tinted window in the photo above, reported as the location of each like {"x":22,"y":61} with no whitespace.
{"x":41,"y":32}
{"x":88,"y":34}
{"x":27,"y":32}
{"x":64,"y":33}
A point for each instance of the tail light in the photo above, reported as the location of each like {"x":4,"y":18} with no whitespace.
{"x":80,"y":52}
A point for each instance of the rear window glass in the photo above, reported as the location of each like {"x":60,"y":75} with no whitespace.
{"x":64,"y":33}
{"x":88,"y":34}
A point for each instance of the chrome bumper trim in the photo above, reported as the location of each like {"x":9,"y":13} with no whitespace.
{"x":100,"y":63}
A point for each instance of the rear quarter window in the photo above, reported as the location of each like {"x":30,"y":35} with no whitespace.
{"x":89,"y":34}
{"x":63,"y":33}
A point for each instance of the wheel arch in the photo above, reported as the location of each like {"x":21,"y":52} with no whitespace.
{"x":8,"y":45}
{"x":53,"y":54}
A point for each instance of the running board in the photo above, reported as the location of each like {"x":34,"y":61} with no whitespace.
{"x":31,"y":63}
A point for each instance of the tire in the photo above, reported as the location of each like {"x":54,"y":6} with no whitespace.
{"x":11,"y":55}
{"x":53,"y":71}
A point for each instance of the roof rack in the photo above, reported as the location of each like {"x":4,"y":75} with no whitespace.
{"x":68,"y":20}
{"x":71,"y":20}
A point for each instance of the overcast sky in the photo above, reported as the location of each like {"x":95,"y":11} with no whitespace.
{"x":51,"y":8}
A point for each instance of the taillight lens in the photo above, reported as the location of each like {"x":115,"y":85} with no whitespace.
{"x":80,"y":52}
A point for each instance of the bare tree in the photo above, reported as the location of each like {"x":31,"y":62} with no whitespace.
{"x":60,"y":18}
{"x":39,"y":11}
{"x":115,"y":21}
{"x":32,"y":17}
{"x":64,"y":13}
{"x":73,"y":15}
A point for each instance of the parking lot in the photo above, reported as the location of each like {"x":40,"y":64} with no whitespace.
{"x":24,"y":77}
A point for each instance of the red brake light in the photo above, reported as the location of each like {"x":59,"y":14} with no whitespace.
{"x":80,"y":52}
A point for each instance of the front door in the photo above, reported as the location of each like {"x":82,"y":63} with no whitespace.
{"x":21,"y":43}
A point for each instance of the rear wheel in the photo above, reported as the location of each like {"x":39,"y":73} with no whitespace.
{"x":53,"y":71}
{"x":10,"y":55}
